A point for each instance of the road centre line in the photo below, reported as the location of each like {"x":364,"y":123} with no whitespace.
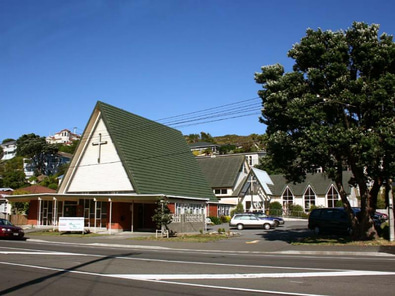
{"x":250,"y":275}
{"x":289,"y":253}
{"x":163,"y":260}
{"x":158,"y":278}
{"x":40,"y":253}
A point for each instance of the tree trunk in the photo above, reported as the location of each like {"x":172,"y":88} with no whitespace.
{"x":346,"y":202}
{"x":362,"y":225}
{"x":364,"y":229}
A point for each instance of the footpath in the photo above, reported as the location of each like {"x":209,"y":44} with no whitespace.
{"x":237,"y":244}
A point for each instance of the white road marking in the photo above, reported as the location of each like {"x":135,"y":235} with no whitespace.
{"x":164,"y":279}
{"x":39,"y":253}
{"x":318,"y":254}
{"x":172,"y":278}
{"x":249,"y":275}
{"x":54,"y":253}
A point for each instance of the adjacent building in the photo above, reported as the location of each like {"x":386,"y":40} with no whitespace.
{"x":234,"y":180}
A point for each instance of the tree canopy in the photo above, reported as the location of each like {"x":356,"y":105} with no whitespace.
{"x":336,"y":109}
{"x":37,"y":149}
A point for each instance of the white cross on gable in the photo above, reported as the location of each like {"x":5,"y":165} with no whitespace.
{"x":100,"y":143}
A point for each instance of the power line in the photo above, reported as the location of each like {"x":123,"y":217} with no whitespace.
{"x":224,"y":112}
{"x":208,"y":109}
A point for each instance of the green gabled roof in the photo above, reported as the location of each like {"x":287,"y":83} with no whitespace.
{"x":319,"y":182}
{"x":156,"y":158}
{"x":221,"y":171}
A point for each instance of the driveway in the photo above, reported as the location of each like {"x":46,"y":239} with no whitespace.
{"x":291,"y":231}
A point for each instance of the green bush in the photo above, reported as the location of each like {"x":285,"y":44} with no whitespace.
{"x":384,"y":230}
{"x":215,"y":220}
{"x":238,"y":210}
{"x":297,"y":211}
{"x":275,"y":208}
{"x":225,"y":219}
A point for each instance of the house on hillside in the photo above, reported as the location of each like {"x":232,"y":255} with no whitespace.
{"x":52,"y":164}
{"x":9,"y":150}
{"x":65,"y":137}
{"x":123,"y":165}
{"x":201,"y":148}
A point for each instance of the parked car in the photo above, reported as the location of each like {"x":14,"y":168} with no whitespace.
{"x":378,"y":218}
{"x":250,"y":221}
{"x":277,"y":220}
{"x":9,"y":230}
{"x":329,"y":220}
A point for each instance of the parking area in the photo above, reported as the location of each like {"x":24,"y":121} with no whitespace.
{"x":291,"y":230}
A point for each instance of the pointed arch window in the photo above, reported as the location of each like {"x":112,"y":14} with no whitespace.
{"x":332,"y":196}
{"x":288,"y":198}
{"x":309,"y":199}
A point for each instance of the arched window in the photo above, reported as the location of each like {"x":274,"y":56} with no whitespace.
{"x":309,"y":199}
{"x":332,"y":196}
{"x":288,"y":199}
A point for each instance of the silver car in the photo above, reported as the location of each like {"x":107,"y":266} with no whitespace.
{"x":250,"y":221}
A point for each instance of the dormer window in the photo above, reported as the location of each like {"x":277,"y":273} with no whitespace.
{"x":221,"y":191}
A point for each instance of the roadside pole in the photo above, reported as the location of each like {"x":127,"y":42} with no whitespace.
{"x":390,"y":213}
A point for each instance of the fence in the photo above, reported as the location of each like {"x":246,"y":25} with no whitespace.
{"x":18,"y":219}
{"x":187,"y":223}
{"x":288,"y":214}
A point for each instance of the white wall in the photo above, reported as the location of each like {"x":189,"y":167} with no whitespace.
{"x":108,"y":175}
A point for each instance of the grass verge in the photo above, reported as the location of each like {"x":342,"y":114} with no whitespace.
{"x":340,"y":241}
{"x":191,"y":238}
{"x":66,"y":234}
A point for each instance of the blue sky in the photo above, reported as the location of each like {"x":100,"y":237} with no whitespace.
{"x":157,"y":59}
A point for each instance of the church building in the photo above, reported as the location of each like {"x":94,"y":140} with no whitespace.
{"x":123,"y":165}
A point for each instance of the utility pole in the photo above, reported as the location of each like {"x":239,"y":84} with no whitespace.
{"x":390,"y":212}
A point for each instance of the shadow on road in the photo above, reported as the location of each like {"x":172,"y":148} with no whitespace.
{"x":285,"y":235}
{"x":60,"y":273}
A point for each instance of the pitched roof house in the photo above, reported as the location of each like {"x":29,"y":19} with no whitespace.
{"x":122,"y":166}
{"x":65,"y":137}
{"x":204,"y":147}
{"x":234,"y":182}
{"x":225,"y":174}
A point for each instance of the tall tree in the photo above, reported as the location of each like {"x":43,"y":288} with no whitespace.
{"x":206,"y":137}
{"x":37,"y":149}
{"x":335,"y":109}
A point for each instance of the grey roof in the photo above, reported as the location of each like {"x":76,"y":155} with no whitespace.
{"x":203,"y":145}
{"x":156,"y":158}
{"x":319,"y":182}
{"x":221,"y":171}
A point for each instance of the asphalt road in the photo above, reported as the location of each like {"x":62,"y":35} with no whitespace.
{"x":91,"y":267}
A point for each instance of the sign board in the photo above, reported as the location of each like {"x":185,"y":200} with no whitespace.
{"x":71,"y":223}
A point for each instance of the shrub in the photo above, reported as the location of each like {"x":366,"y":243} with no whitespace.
{"x":225,"y":219}
{"x":297,"y":210}
{"x":238,"y":210}
{"x":215,"y":220}
{"x":275,"y":208}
